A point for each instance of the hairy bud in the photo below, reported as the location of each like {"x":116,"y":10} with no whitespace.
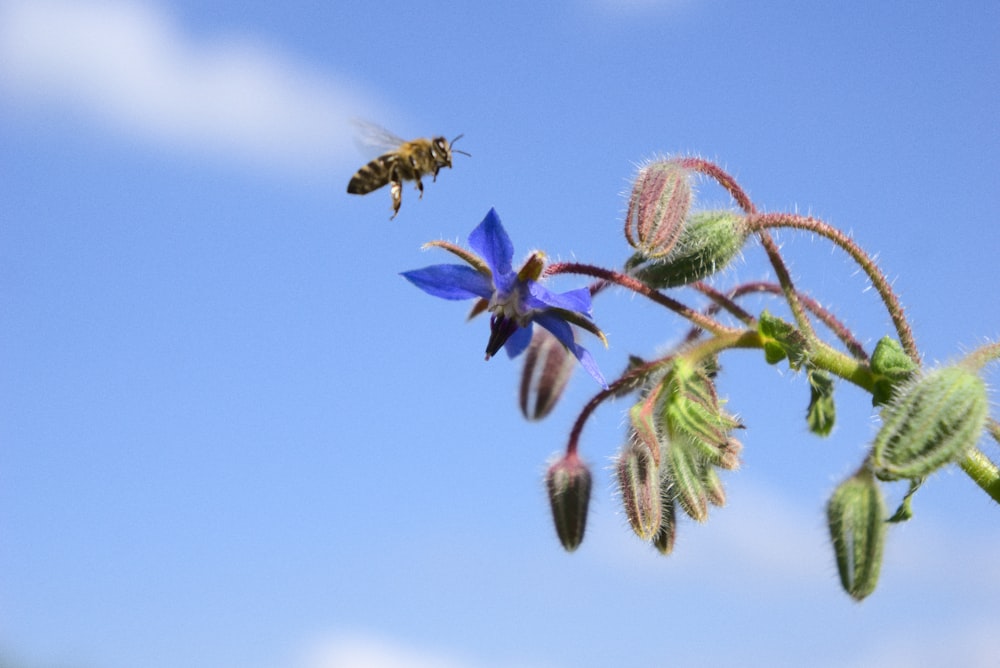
{"x":658,"y":207}
{"x":639,"y":483}
{"x":709,"y":241}
{"x":568,"y":481}
{"x":930,"y":422}
{"x":687,"y":477}
{"x":856,"y":519}
{"x":548,"y":366}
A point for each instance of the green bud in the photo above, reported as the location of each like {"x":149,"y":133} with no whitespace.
{"x":930,"y":422}
{"x":822,"y":411}
{"x":659,"y":204}
{"x":892,"y":367}
{"x":687,"y":482}
{"x":714,"y":489}
{"x":639,"y":483}
{"x":855,"y":517}
{"x":692,"y":408}
{"x":709,"y":241}
{"x":568,"y":481}
{"x":548,"y":366}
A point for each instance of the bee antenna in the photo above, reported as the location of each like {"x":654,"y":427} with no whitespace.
{"x":455,"y":150}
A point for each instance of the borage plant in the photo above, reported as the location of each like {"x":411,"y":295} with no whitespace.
{"x":679,"y":436}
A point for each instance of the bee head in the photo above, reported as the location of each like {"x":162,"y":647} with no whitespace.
{"x":442,"y":149}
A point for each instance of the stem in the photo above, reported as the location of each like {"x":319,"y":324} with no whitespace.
{"x":983,"y":472}
{"x":641,"y":288}
{"x":877,"y":278}
{"x":770,"y":247}
{"x":980,"y":357}
{"x":632,"y":377}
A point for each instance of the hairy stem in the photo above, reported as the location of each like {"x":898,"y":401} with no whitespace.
{"x":726,"y":180}
{"x":983,"y":472}
{"x":875,"y":275}
{"x":641,"y":288}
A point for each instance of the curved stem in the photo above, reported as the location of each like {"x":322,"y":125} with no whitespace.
{"x":980,"y":357}
{"x":641,"y":288}
{"x":770,"y":247}
{"x":877,"y":278}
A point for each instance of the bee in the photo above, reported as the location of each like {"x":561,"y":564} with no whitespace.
{"x":407,"y":161}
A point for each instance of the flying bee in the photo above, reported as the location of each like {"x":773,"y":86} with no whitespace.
{"x":407,"y":161}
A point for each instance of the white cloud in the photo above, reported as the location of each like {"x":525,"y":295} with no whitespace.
{"x":130,"y":66}
{"x":366,"y":651}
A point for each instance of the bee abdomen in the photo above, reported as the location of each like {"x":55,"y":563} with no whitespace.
{"x":371,"y":177}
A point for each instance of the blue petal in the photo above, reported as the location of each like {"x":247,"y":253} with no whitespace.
{"x":518,"y":341}
{"x":574,"y":300}
{"x":491,"y":242}
{"x":450,"y":281}
{"x":562,"y":331}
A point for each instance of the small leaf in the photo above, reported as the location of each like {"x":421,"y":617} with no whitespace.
{"x":782,"y":339}
{"x":905,"y":511}
{"x":822,"y":411}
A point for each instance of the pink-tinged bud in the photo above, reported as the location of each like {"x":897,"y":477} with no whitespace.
{"x":639,"y":483}
{"x":568,"y":481}
{"x":657,"y":208}
{"x":548,"y":366}
{"x":856,"y":519}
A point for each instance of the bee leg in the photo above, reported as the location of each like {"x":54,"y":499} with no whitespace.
{"x":397,"y":197}
{"x":420,"y":187}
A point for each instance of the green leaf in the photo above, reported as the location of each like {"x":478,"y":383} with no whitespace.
{"x":822,"y":411}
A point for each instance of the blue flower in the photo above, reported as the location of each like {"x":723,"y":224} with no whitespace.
{"x":516,"y":299}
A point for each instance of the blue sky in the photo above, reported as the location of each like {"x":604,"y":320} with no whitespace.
{"x":232,"y":435}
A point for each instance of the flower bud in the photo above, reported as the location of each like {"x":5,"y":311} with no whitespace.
{"x":692,"y":408}
{"x":930,"y":422}
{"x":568,"y":481}
{"x":643,"y":426}
{"x":639,"y":483}
{"x":687,"y":478}
{"x":659,"y":204}
{"x":714,"y":490}
{"x":709,"y":241}
{"x":856,"y":519}
{"x":548,"y":366}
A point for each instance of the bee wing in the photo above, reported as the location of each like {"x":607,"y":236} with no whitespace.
{"x":372,"y":138}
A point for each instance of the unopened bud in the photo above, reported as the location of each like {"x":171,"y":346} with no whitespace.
{"x":658,"y":207}
{"x":714,"y":490}
{"x":687,"y":479}
{"x":568,"y":481}
{"x":548,"y":366}
{"x":856,"y":519}
{"x":639,"y":483}
{"x":709,"y":241}
{"x":930,"y":422}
